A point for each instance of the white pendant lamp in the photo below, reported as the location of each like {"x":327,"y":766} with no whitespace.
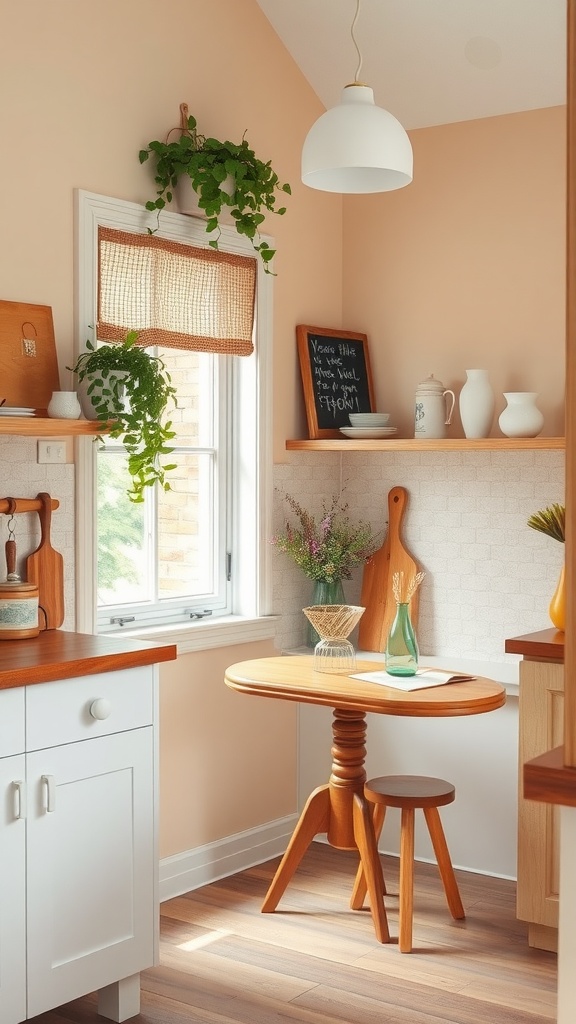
{"x":357,"y":147}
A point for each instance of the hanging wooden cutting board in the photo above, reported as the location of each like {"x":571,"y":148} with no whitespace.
{"x":377,"y":595}
{"x":45,"y":568}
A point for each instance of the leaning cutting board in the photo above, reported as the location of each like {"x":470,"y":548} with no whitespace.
{"x":45,"y":568}
{"x":377,"y":596}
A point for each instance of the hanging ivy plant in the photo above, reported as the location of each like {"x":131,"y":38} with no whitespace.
{"x":226,"y":176}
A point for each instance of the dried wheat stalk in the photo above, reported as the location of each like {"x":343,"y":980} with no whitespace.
{"x":404,"y":594}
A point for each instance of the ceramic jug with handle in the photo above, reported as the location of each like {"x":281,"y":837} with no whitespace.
{"x":434,"y":408}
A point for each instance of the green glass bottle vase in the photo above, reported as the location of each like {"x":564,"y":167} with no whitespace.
{"x":401,"y":657}
{"x":324,"y":592}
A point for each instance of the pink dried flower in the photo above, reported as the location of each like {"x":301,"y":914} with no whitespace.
{"x":329,"y":550}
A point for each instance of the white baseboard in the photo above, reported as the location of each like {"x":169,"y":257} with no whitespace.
{"x":204,"y":864}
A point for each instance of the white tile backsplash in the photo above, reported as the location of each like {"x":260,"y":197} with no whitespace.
{"x":488,"y":575}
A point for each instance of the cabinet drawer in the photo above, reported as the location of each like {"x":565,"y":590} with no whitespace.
{"x":96,"y":705}
{"x":11,"y":721}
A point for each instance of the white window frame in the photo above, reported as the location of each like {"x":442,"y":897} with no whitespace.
{"x":171,"y":609}
{"x":251,"y":433}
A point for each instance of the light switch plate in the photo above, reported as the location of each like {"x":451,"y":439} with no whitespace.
{"x":52,"y":451}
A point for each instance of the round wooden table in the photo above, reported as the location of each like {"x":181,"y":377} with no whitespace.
{"x":339,"y":808}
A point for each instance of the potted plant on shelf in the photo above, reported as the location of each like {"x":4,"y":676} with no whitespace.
{"x":128,"y":391}
{"x":227,"y":177}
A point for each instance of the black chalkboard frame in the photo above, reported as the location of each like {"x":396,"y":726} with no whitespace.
{"x":305,"y":334}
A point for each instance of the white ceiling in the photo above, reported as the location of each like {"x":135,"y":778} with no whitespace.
{"x":431,"y":61}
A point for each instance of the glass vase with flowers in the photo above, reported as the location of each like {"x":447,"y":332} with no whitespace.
{"x":326,"y":547}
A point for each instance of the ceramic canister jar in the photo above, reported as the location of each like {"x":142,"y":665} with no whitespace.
{"x":434,"y":407}
{"x":18,"y":610}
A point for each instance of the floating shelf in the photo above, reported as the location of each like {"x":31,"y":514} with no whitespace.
{"x":412,"y":444}
{"x":39,"y":426}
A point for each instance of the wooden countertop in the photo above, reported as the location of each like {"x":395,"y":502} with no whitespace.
{"x":546,"y":643}
{"x":58,"y":654}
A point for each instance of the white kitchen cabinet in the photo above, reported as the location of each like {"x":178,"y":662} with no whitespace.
{"x":79,"y":900}
{"x":12,"y":891}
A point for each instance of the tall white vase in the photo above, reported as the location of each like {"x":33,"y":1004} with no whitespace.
{"x":476,"y":404}
{"x":521,"y":417}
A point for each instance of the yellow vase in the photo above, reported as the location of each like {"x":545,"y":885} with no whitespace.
{"x":557,"y":609}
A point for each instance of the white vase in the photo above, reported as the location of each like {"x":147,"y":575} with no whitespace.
{"x":64,"y":405}
{"x":476,"y":404}
{"x":521,"y":417}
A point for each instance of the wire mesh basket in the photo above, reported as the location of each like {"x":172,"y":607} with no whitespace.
{"x":334,"y":623}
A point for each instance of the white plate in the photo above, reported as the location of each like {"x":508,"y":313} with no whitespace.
{"x":374,"y":419}
{"x":373,"y":432}
{"x":8,"y":410}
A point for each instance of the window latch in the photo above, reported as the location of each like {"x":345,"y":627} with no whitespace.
{"x":199,"y":615}
{"x":121,"y":620}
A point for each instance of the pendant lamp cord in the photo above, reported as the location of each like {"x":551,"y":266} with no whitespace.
{"x":354,"y":40}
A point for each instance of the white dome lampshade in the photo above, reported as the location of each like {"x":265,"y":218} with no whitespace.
{"x":357,"y":147}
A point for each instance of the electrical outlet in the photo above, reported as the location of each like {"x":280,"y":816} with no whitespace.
{"x":52,"y":451}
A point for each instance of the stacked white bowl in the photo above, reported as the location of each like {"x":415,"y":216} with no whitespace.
{"x":369,"y":419}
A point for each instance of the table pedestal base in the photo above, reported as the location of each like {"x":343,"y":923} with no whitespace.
{"x":340,"y":810}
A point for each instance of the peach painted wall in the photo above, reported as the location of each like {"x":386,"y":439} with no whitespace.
{"x":466,"y":266}
{"x":85,"y":86}
{"x":215,"y":745}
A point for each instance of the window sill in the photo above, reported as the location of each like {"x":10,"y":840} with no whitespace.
{"x":203,"y":636}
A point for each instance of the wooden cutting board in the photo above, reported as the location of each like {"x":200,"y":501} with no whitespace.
{"x":28,"y":360}
{"x":377,"y":595}
{"x":45,"y":568}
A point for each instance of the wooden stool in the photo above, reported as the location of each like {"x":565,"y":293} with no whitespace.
{"x":410,"y":792}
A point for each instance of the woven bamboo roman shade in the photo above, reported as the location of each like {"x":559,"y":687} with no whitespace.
{"x":173,"y":294}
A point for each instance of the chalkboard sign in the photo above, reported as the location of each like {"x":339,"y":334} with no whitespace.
{"x":336,"y":377}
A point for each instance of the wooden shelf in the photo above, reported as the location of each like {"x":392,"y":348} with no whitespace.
{"x":547,"y":779}
{"x":412,"y":444}
{"x":39,"y":426}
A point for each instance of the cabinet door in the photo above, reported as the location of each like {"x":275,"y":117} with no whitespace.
{"x":92,"y":910}
{"x":541,"y":725}
{"x":12,"y":890}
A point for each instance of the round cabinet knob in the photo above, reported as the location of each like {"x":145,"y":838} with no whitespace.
{"x":100,"y":709}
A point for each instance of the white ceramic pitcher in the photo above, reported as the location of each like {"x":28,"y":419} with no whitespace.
{"x":434,"y":408}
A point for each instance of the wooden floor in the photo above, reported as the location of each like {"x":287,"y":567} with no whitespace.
{"x":316,"y":962}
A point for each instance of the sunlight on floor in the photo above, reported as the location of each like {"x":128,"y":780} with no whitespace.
{"x":203,"y":940}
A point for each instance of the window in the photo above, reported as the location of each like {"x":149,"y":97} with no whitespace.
{"x":194,"y":560}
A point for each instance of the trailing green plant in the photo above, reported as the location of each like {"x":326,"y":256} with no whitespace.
{"x":209,"y":163}
{"x":130,"y":391}
{"x":551,"y":521}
